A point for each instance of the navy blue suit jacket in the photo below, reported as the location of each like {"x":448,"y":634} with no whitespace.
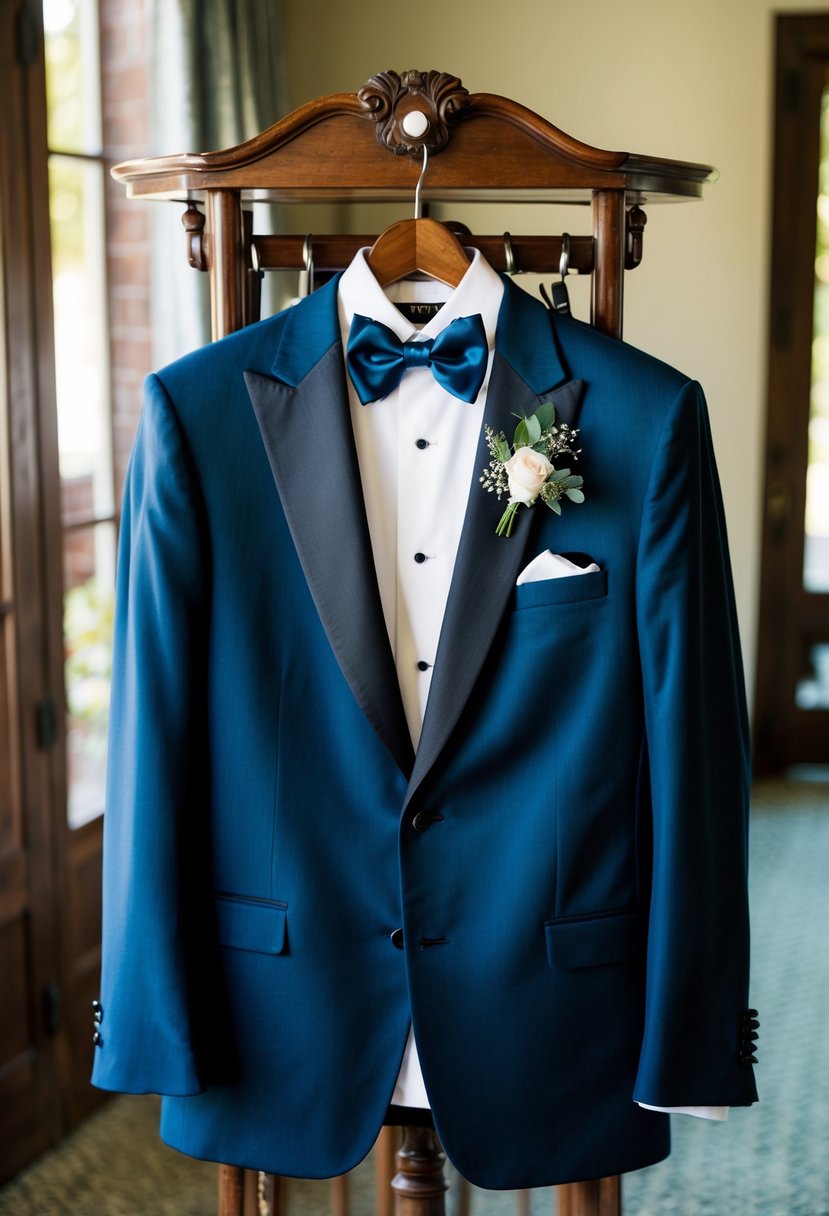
{"x":566,"y":853}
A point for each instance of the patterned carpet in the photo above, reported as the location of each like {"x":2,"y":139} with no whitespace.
{"x":768,"y":1160}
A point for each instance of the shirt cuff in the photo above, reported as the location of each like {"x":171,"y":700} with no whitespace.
{"x":720,"y":1113}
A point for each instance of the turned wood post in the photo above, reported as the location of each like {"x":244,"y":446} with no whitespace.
{"x":231,"y":1191}
{"x":384,"y":1154}
{"x":226,"y":262}
{"x":609,"y":236}
{"x":600,"y":1197}
{"x":249,"y":1192}
{"x":419,"y":1185}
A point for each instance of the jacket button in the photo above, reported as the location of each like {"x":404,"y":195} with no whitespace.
{"x":423,"y":821}
{"x":397,"y":939}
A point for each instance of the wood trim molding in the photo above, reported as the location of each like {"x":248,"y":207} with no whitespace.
{"x":329,"y":147}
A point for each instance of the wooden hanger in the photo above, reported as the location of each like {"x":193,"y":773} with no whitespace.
{"x":418,"y":245}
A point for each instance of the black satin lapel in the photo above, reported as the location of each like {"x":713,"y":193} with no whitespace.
{"x":485,"y":572}
{"x":331,"y":536}
{"x":567,"y":400}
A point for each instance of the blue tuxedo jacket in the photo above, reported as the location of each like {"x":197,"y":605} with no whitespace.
{"x":566,"y":852}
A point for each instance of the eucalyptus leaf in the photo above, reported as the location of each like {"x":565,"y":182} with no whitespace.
{"x":522,"y":435}
{"x":553,"y":505}
{"x":575,"y":495}
{"x":546,"y":415}
{"x":533,"y":428}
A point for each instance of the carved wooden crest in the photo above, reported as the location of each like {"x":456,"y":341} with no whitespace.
{"x":392,"y":100}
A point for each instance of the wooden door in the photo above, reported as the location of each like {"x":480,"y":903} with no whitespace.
{"x":792,"y":708}
{"x":49,"y":869}
{"x":30,"y":1092}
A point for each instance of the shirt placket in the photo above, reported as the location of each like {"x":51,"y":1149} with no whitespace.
{"x":421,"y":549}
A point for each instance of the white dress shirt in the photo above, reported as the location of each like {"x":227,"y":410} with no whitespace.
{"x":416,"y":451}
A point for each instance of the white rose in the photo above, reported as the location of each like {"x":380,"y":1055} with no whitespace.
{"x":527,"y":471}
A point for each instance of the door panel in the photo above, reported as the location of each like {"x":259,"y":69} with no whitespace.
{"x":49,"y":880}
{"x":30,"y":1109}
{"x":792,"y":707}
{"x":82,"y":947}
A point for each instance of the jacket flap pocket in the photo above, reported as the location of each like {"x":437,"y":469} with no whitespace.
{"x":589,"y":586}
{"x":247,"y":924}
{"x":595,"y":941}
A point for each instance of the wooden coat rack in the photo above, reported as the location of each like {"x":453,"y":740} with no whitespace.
{"x":366,"y":146}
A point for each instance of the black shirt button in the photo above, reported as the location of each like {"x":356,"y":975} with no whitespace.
{"x":422,"y":444}
{"x":97,"y":1040}
{"x":420,"y":557}
{"x":397,"y":939}
{"x":422,"y":665}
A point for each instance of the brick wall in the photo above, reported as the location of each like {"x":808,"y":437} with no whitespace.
{"x":77,"y":501}
{"x":125,"y":84}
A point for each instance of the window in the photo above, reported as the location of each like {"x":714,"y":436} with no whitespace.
{"x":816,"y":546}
{"x":77,"y":185}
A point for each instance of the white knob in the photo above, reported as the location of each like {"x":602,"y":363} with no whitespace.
{"x":415,"y":123}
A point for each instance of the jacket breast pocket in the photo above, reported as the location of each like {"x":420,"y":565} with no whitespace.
{"x":570,"y":590}
{"x":244,"y":923}
{"x":595,"y":941}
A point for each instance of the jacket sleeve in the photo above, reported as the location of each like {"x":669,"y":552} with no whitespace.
{"x":154,"y":879}
{"x":697,"y":1046}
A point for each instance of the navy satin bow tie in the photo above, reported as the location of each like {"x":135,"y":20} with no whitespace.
{"x":377,"y":358}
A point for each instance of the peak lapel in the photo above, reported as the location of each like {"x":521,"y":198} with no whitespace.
{"x":330,"y":532}
{"x":526,"y":367}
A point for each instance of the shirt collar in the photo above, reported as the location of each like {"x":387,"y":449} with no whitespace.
{"x":479,"y":291}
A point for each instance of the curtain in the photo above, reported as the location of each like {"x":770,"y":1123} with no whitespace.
{"x":217,"y":79}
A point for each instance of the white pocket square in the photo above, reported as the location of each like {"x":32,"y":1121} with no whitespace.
{"x":551,"y":565}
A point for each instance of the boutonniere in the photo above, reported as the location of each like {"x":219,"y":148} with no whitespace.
{"x":526,"y":471}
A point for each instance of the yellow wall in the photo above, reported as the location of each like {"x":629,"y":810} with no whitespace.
{"x":690,"y":80}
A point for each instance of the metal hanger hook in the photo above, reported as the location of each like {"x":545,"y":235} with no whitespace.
{"x":417,"y":205}
{"x":306,"y":275}
{"x":564,"y":260}
{"x":509,"y":255}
